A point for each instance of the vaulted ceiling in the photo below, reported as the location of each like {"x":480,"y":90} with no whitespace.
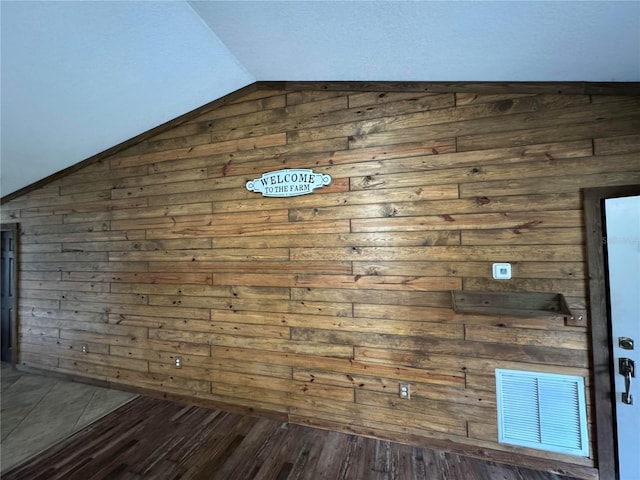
{"x":80,"y":77}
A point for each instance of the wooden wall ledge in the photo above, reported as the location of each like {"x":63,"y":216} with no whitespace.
{"x":521,"y":304}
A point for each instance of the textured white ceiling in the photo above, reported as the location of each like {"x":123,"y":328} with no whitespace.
{"x":80,"y":77}
{"x":431,"y":41}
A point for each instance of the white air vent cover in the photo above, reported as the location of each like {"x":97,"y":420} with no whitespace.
{"x":542,"y":410}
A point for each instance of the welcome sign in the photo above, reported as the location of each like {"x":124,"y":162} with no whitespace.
{"x":288,"y":183}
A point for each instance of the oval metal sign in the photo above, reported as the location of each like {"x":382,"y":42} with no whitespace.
{"x":288,"y":183}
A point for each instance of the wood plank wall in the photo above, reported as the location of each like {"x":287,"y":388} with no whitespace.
{"x":315,"y":308}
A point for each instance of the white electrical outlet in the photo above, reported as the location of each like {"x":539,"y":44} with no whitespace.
{"x":405,"y":391}
{"x":178,"y":362}
{"x":84,"y":349}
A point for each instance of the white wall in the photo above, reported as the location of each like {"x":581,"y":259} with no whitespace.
{"x":81,"y":77}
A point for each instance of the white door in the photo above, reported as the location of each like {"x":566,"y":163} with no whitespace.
{"x":623,"y":253}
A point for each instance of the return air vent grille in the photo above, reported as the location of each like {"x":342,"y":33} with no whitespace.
{"x":542,"y":410}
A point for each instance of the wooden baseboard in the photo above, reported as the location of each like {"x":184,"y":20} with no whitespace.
{"x":63,"y":376}
{"x":202,"y":402}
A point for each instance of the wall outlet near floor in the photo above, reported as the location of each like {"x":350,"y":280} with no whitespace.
{"x":84,"y":349}
{"x":178,"y":362}
{"x":405,"y":391}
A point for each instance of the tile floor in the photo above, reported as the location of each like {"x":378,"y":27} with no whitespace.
{"x":39,"y":411}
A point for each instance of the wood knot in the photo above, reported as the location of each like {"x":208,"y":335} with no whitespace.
{"x":503,"y":105}
{"x":531,"y":224}
{"x":389,"y":211}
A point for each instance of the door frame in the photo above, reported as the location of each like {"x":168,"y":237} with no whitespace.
{"x":600,"y":321}
{"x":13,"y":227}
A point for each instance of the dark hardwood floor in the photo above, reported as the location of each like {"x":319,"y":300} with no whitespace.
{"x":156,"y":439}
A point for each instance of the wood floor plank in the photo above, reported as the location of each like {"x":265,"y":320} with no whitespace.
{"x":156,"y":439}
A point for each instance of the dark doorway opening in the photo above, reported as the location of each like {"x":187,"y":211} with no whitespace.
{"x":8,"y":300}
